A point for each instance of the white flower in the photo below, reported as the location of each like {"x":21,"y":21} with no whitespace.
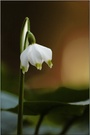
{"x":35,"y":54}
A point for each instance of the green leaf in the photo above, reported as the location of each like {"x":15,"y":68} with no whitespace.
{"x":56,"y":112}
{"x":47,"y":104}
{"x":8,"y":100}
{"x":64,"y":95}
{"x":44,"y":107}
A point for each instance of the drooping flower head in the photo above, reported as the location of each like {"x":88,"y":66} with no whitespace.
{"x":31,"y":52}
{"x":35,"y":54}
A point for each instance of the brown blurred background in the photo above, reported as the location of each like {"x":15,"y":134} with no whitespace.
{"x":62,"y":26}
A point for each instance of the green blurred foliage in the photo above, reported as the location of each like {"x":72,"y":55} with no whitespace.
{"x":56,"y":114}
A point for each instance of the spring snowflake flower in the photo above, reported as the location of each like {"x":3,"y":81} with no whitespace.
{"x":35,"y":54}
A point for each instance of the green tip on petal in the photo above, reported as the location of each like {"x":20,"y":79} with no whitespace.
{"x":38,"y":66}
{"x":24,"y":69}
{"x":50,"y":64}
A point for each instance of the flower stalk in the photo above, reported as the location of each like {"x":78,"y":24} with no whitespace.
{"x":23,"y":43}
{"x":20,"y":109}
{"x":39,"y":124}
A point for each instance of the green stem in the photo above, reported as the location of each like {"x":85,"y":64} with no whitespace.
{"x":68,"y":125}
{"x":20,"y":109}
{"x":39,"y":124}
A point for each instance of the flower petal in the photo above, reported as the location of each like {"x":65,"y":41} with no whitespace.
{"x":24,"y":60}
{"x":45,"y":52}
{"x":34,"y":57}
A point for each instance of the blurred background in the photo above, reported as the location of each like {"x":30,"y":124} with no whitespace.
{"x":62,"y":26}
